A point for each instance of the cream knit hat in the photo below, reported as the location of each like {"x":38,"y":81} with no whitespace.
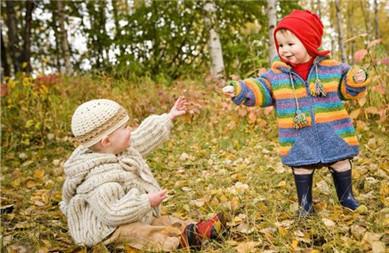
{"x":95,"y":119}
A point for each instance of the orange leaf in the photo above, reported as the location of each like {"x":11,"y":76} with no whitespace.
{"x":39,"y":173}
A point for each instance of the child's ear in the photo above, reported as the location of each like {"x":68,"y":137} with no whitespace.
{"x":105,"y":142}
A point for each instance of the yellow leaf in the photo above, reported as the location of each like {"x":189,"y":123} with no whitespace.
{"x":16,"y":183}
{"x":223,"y":198}
{"x":294,"y":244}
{"x":29,"y":123}
{"x":282,"y":231}
{"x":235,"y":203}
{"x":39,"y":173}
{"x":130,"y":249}
{"x":282,"y":184}
{"x":354,"y":114}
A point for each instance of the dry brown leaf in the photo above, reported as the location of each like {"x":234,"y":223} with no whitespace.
{"x":245,"y":228}
{"x":30,"y":184}
{"x":378,"y":247}
{"x":247,"y":247}
{"x":328,"y":223}
{"x":357,"y":231}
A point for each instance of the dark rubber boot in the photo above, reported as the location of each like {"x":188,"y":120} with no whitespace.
{"x":343,"y":186}
{"x":304,"y":194}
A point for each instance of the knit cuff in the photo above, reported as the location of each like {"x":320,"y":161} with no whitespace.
{"x":167,"y":121}
{"x":239,"y":91}
{"x":352,"y":83}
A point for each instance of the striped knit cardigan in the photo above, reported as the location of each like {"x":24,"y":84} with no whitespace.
{"x":328,"y":135}
{"x":103,"y":191}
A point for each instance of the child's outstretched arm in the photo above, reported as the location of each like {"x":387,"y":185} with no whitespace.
{"x":250,"y":92}
{"x":179,"y":108}
{"x":155,"y":129}
{"x":354,"y":82}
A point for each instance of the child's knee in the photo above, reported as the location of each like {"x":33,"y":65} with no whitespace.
{"x":340,"y":166}
{"x":302,"y":171}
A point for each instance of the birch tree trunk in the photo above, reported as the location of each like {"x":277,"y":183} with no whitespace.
{"x":63,"y":38}
{"x":54,"y":24}
{"x":272,"y":18}
{"x":13,"y":39}
{"x":340,"y":30}
{"x":214,"y":45}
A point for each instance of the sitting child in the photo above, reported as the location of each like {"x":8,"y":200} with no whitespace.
{"x":109,"y":193}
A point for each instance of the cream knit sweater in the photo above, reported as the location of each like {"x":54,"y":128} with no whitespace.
{"x":102,"y":191}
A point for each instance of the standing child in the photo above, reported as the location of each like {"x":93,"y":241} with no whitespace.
{"x":109,"y":193}
{"x":307,"y":90}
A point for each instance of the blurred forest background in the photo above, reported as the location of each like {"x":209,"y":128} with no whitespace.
{"x":143,"y":54}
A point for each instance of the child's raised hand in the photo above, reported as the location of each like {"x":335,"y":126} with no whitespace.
{"x":156,"y":198}
{"x":360,"y":76}
{"x":229,"y":90}
{"x":179,"y":108}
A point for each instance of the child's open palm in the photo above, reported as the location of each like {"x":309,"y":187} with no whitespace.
{"x":360,"y":76}
{"x":179,"y":108}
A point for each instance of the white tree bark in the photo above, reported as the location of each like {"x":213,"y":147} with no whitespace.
{"x":214,"y":45}
{"x":272,"y":17}
{"x":340,"y":30}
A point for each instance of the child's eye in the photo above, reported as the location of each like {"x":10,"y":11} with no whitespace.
{"x":290,"y":44}
{"x":280,"y":45}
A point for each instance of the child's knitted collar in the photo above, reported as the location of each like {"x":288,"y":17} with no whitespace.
{"x":278,"y":65}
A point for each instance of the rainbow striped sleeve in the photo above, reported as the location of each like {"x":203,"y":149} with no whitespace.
{"x":254,"y":92}
{"x":349,"y":89}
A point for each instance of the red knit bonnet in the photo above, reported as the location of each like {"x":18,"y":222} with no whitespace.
{"x":307,"y":27}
